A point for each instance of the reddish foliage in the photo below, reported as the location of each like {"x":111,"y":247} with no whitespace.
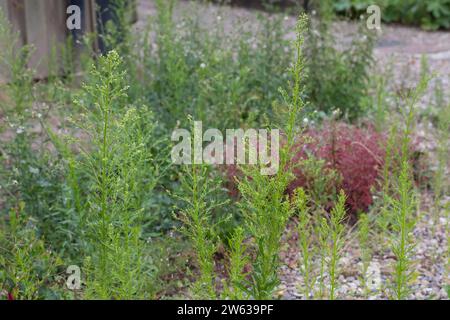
{"x":356,"y":154}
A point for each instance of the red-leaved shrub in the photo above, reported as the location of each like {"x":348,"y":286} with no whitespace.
{"x":346,"y":157}
{"x":356,"y":154}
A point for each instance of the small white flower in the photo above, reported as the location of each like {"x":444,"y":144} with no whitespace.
{"x":219,"y":18}
{"x":336,"y":112}
{"x":313,"y":12}
{"x":203,"y":66}
{"x":20,"y":130}
{"x":286,"y":18}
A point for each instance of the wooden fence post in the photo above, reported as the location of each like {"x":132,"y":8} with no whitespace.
{"x":45,"y":29}
{"x":42,"y":23}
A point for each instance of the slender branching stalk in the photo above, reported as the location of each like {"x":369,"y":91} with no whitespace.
{"x":305,"y":231}
{"x":403,"y":205}
{"x":265,"y":206}
{"x":199,"y":190}
{"x":122,"y":172}
{"x":236,"y":270}
{"x":27,"y":266}
{"x":330,"y":232}
{"x":336,"y":230}
{"x":365,"y":249}
{"x":321,"y":231}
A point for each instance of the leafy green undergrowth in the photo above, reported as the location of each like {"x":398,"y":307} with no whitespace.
{"x":86,"y":178}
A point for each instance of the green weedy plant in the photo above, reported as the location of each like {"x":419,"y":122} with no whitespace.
{"x":72,"y":177}
{"x":320,"y":181}
{"x":336,"y":230}
{"x":305,"y":229}
{"x":364,"y":225}
{"x":18,"y":94}
{"x":266,"y":211}
{"x":268,"y":64}
{"x":321,"y":230}
{"x":387,"y":184}
{"x":403,"y":205}
{"x":328,"y":66}
{"x":378,"y":100}
{"x":265,"y":206}
{"x":118,"y":35}
{"x":199,"y":190}
{"x":403,"y":224}
{"x":224,"y":79}
{"x":330,"y":232}
{"x":238,"y":260}
{"x":447,"y":252}
{"x":440,"y":183}
{"x":173,"y":73}
{"x":28,"y":173}
{"x":27,"y":267}
{"x":122,"y":173}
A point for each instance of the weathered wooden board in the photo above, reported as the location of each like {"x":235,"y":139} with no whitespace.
{"x":45,"y":29}
{"x":42,"y":23}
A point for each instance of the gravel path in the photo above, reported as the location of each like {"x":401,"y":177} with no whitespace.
{"x":430,"y":259}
